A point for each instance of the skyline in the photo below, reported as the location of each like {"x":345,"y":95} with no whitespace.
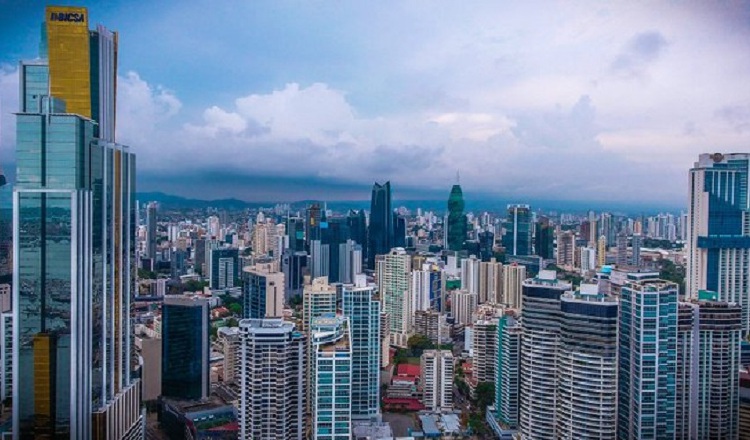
{"x":287,"y":102}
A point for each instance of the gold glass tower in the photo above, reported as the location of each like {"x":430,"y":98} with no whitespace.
{"x":69,"y":57}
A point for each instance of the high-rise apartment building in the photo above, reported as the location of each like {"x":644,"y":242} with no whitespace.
{"x":708,"y":359}
{"x":437,"y":379}
{"x":271,"y":381}
{"x":463,"y":305}
{"x":718,"y":235}
{"x":518,"y":230}
{"x":380,"y":230}
{"x":601,"y":251}
{"x":508,"y":375}
{"x":470,"y":274}
{"x":490,"y":282}
{"x":622,"y":249}
{"x":566,"y":244}
{"x":263,"y":291}
{"x":394,"y":271}
{"x":331,"y":390}
{"x":586,"y":402}
{"x":647,"y":360}
{"x":485,"y":350}
{"x":185,"y":348}
{"x":361,"y":306}
{"x":512,"y":292}
{"x":456,"y":226}
{"x":229,"y":340}
{"x":74,"y":211}
{"x":428,"y":287}
{"x":318,"y":299}
{"x":293,"y":265}
{"x":432,"y":324}
{"x":540,"y":342}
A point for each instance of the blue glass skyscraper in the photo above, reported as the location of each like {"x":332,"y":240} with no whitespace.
{"x":718,"y":230}
{"x":360,"y":305}
{"x":185,"y":348}
{"x":380,"y":230}
{"x":647,"y":340}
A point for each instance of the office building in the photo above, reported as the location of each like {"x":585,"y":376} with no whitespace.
{"x":512,"y":292}
{"x":318,"y":299}
{"x":647,"y":360}
{"x":313,"y":219}
{"x":271,"y":380}
{"x":456,"y":226}
{"x":225,"y":263}
{"x":73,"y":278}
{"x":437,"y":379}
{"x":294,"y":266}
{"x":185,"y":348}
{"x":350,"y":261}
{"x":718,"y":243}
{"x":544,"y":239}
{"x":463,"y":306}
{"x":540,"y":342}
{"x":320,"y":258}
{"x":518,"y":230}
{"x":331,"y":390}
{"x":361,"y":306}
{"x":490,"y":282}
{"x":380,"y":232}
{"x":394,"y":270}
{"x":295,"y":230}
{"x":262,"y":291}
{"x":708,"y":359}
{"x":587,"y":408}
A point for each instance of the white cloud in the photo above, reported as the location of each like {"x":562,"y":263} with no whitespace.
{"x":143,"y":110}
{"x":8,"y":105}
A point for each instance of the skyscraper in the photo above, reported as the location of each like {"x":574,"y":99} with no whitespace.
{"x":272,"y":384}
{"x":490,"y":282}
{"x":362,"y":307}
{"x":151,"y":230}
{"x":293,"y":265}
{"x":708,"y":359}
{"x":540,"y":342}
{"x":456,"y":227}
{"x":185,"y":348}
{"x":393,"y":281}
{"x":485,"y":350}
{"x":224,"y":268}
{"x":566,"y":245}
{"x":647,"y":360}
{"x":74,"y":211}
{"x":331,"y":390}
{"x":262,"y":291}
{"x":518,"y":230}
{"x":318,"y":299}
{"x":544,"y":237}
{"x":718,"y":235}
{"x":380,"y":231}
{"x":508,"y":374}
{"x":587,"y":408}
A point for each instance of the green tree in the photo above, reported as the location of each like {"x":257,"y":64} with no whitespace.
{"x":485,"y":394}
{"x":235,"y":308}
{"x":146,"y":274}
{"x":420,"y":343}
{"x":233,"y":322}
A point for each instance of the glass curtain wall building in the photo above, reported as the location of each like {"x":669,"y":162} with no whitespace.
{"x":362,"y":307}
{"x":518,"y":230}
{"x":74,"y":219}
{"x":380,"y":232}
{"x":185,"y":348}
{"x":719,"y":231}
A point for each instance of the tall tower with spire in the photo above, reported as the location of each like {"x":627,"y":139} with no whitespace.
{"x":456,"y":225}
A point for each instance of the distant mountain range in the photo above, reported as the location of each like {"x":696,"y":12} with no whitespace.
{"x":472,"y":205}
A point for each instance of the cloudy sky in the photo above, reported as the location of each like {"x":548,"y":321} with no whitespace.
{"x":269,"y":100}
